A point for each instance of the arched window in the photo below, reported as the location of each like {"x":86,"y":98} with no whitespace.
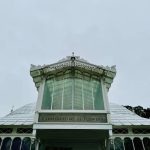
{"x":6,"y":144}
{"x":146,"y":142}
{"x":26,"y":143}
{"x":138,"y":144}
{"x":118,"y":144}
{"x":128,"y":144}
{"x":16,"y":144}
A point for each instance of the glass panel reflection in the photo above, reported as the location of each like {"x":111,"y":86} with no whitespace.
{"x":118,"y":144}
{"x":138,"y":144}
{"x":26,"y":144}
{"x":6,"y":144}
{"x":146,"y":142}
{"x":128,"y":144}
{"x":73,"y":90}
{"x":16,"y":144}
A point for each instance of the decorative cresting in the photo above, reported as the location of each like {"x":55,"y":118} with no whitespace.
{"x":40,"y":72}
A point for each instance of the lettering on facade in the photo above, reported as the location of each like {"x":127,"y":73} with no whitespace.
{"x":73,"y":117}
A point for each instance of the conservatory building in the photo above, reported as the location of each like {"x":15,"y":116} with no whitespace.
{"x":73,"y":112}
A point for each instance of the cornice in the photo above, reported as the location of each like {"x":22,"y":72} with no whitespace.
{"x":39,"y":72}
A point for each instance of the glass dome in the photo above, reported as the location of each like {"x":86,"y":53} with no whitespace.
{"x":73,"y":90}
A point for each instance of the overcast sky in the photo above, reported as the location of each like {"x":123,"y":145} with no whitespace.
{"x":104,"y":32}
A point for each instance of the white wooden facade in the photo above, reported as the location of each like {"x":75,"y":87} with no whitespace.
{"x":110,"y":126}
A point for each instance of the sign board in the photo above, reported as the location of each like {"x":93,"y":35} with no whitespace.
{"x":73,"y":117}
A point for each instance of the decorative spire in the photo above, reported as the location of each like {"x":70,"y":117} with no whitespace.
{"x":72,"y":57}
{"x":12,"y":109}
{"x":72,"y":54}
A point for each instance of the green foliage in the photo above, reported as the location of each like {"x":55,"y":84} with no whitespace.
{"x":139,"y":110}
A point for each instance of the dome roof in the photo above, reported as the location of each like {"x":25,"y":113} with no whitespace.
{"x":119,"y":116}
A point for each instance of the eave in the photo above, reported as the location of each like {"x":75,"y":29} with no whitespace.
{"x":38,"y":73}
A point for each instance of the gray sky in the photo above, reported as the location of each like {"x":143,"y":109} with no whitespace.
{"x":105,"y":32}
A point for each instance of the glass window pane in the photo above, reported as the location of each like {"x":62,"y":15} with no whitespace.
{"x":67,"y":96}
{"x":16,"y":144}
{"x":138,"y":144}
{"x":73,"y":91}
{"x":6,"y":144}
{"x":98,"y":96}
{"x":88,"y":99}
{"x":47,"y":96}
{"x":118,"y":144}
{"x":78,"y":102}
{"x":128,"y":144}
{"x":146,"y":142}
{"x":26,"y":144}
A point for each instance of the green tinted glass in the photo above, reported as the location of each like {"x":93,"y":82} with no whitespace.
{"x":73,"y":92}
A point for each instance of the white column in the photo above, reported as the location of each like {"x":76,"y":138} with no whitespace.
{"x":143,"y":144}
{"x":82,"y":94}
{"x":111,"y":138}
{"x":73,"y":86}
{"x":93,"y":99}
{"x":113,"y":144}
{"x":133,"y":144}
{"x":53,"y":93}
{"x":62,"y":102}
{"x":107,"y":144}
{"x":1,"y":144}
{"x":11,"y":144}
{"x":123,"y":144}
{"x":21,"y":144}
{"x":32,"y":142}
{"x":37,"y":144}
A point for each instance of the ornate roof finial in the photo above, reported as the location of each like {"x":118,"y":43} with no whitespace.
{"x":72,"y":54}
{"x":12,"y":109}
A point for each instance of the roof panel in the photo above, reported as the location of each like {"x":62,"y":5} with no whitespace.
{"x":119,"y":116}
{"x":123,"y":116}
{"x":21,"y":116}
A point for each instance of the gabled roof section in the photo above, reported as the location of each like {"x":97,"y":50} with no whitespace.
{"x":39,"y":72}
